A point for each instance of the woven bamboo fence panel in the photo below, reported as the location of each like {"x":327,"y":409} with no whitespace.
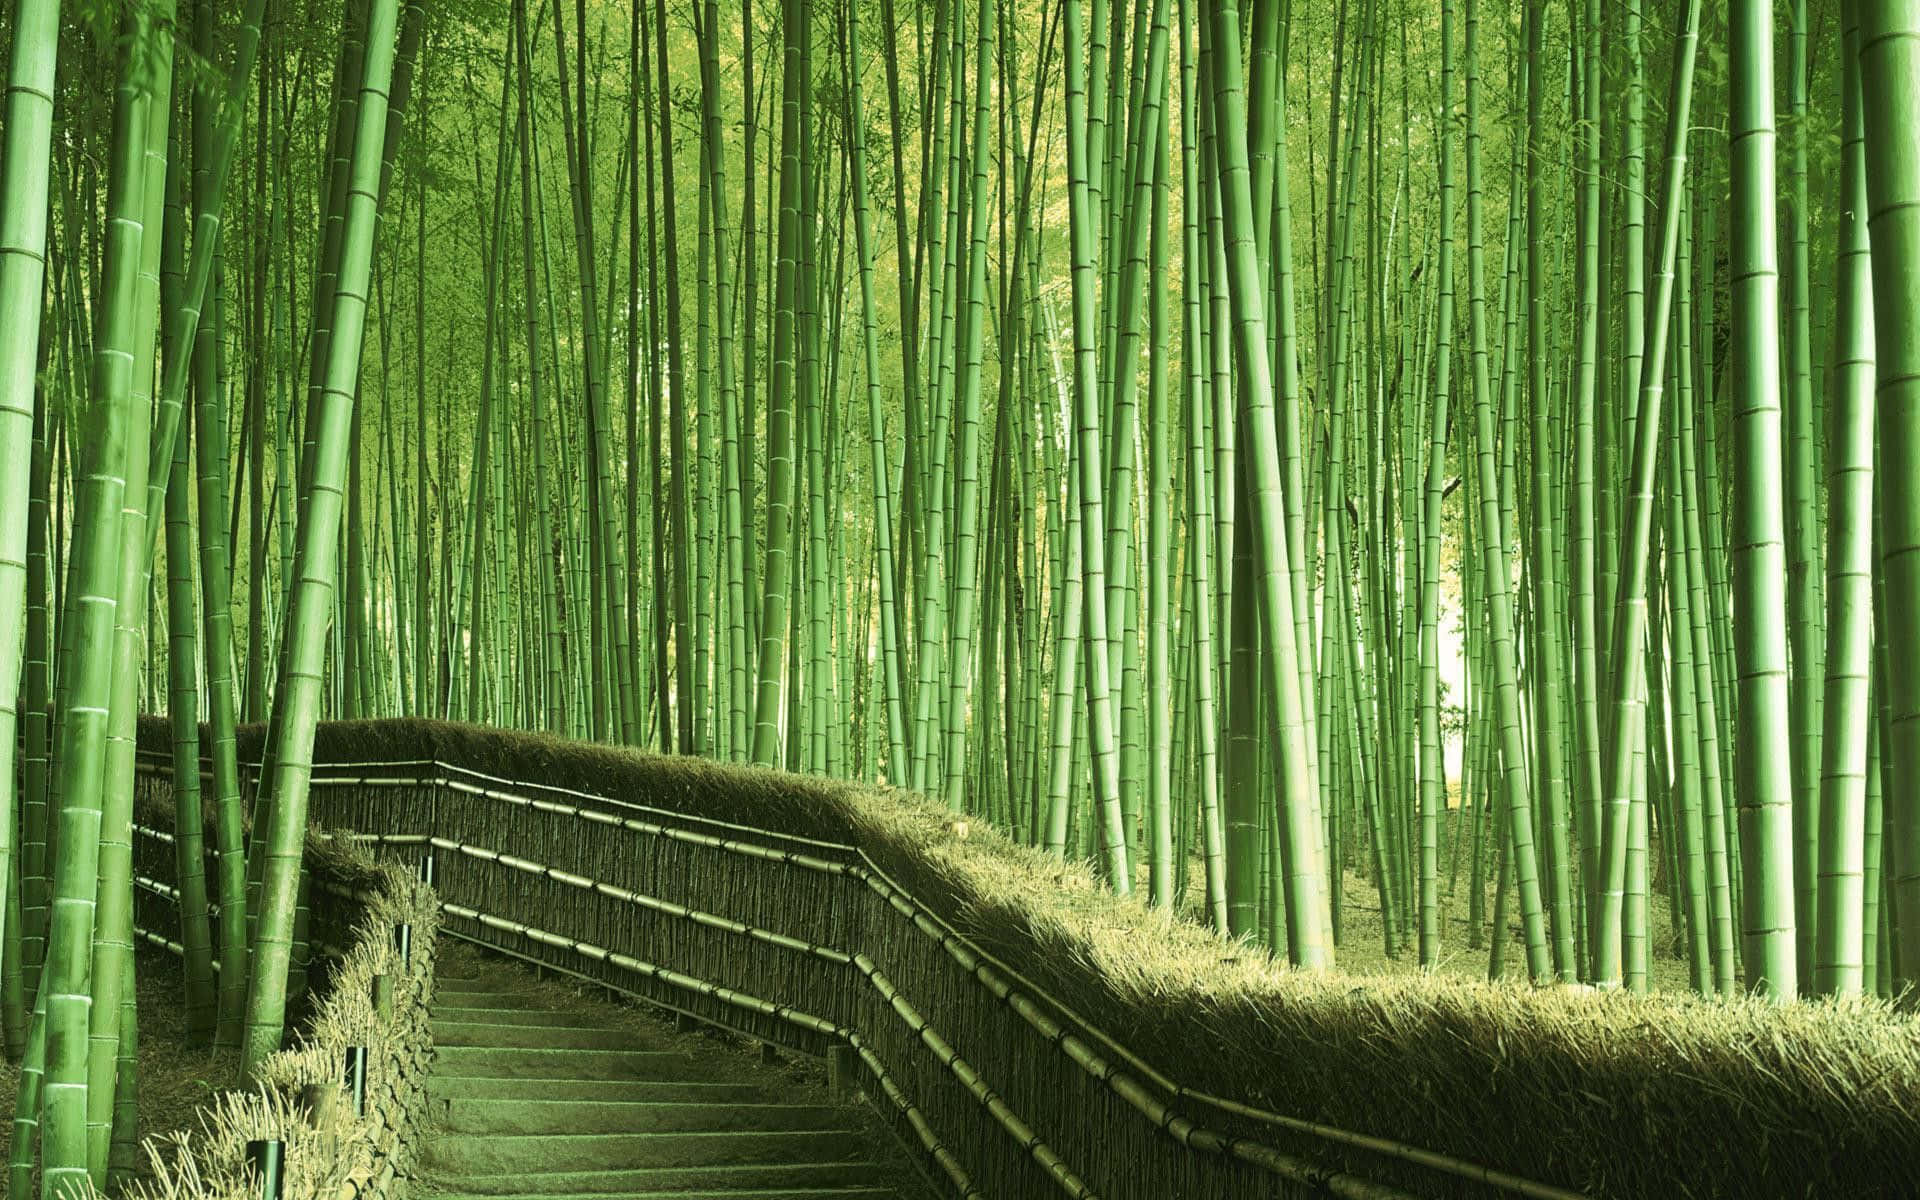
{"x":798,"y":944}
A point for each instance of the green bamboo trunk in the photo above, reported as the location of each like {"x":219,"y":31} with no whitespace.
{"x":310,"y":603}
{"x":92,"y":598}
{"x":1889,"y":41}
{"x":1840,"y":946}
{"x":1764,"y":782}
{"x":25,"y":167}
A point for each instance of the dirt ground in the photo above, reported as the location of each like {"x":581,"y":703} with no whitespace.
{"x":175,"y":1079}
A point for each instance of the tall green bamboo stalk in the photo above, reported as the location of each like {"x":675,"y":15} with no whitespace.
{"x":310,"y":601}
{"x":1764,"y":783}
{"x":1889,"y":54}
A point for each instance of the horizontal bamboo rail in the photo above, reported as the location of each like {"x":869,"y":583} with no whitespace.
{"x":1096,"y":1055}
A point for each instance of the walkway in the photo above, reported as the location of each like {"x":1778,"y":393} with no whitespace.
{"x":542,"y":1094}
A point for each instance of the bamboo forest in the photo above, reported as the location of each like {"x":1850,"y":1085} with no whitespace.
{"x":1172,"y":598}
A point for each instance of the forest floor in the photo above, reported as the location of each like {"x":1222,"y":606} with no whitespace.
{"x":1362,"y":948}
{"x":175,"y":1078}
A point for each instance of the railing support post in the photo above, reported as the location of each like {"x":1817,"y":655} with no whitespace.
{"x":382,"y":996}
{"x":842,"y":1071}
{"x":266,"y":1161}
{"x":354,"y":1078}
{"x":318,"y":1100}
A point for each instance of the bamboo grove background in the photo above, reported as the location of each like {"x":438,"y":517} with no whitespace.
{"x":1314,"y":460}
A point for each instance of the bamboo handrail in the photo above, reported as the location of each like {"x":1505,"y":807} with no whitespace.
{"x":1131,"y":1078}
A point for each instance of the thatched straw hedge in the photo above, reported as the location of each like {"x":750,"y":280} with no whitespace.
{"x":1611,"y":1095}
{"x":296,"y":1095}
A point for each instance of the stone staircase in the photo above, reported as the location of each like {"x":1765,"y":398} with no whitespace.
{"x":538,"y":1097}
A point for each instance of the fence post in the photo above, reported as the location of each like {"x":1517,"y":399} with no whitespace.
{"x":842,"y":1071}
{"x":266,"y":1160}
{"x":355,"y":1079}
{"x":318,"y":1100}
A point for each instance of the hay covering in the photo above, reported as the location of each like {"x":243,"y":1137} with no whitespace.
{"x":330,"y":1153}
{"x":1610,"y":1094}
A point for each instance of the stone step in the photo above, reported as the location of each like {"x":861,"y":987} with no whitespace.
{"x":535,"y":1037}
{"x":523,"y":1116}
{"x":479,"y":995}
{"x":776,"y":1179}
{"x":610,"y":1091}
{"x":850,"y":1193}
{"x":497,"y":1062}
{"x":507,"y":1015}
{"x":528,"y":1153}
